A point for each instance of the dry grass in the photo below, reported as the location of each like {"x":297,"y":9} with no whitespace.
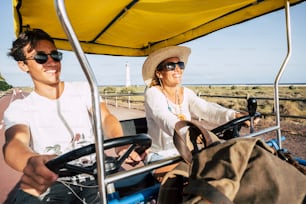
{"x":262,"y":93}
{"x":293,"y":128}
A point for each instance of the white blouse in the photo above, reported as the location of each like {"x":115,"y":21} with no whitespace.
{"x":161,"y":119}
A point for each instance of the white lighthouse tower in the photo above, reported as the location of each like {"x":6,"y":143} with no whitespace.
{"x":127,"y":75}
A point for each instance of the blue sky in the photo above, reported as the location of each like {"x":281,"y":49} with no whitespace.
{"x":251,"y":52}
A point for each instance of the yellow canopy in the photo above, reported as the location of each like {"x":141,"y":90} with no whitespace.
{"x":137,"y":27}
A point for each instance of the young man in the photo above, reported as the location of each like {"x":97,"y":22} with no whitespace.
{"x":54,"y":119}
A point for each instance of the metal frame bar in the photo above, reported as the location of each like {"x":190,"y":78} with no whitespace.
{"x":62,"y":14}
{"x":277,"y":127}
{"x":281,"y":70}
{"x":102,"y":180}
{"x":101,"y":176}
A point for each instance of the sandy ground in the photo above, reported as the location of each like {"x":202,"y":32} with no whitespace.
{"x":294,"y":133}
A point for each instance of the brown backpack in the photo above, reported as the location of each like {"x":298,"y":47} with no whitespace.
{"x":241,"y":170}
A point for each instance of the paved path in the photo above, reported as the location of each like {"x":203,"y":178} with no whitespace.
{"x":8,"y":176}
{"x":124,"y":113}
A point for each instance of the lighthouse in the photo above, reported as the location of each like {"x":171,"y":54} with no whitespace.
{"x":127,"y":75}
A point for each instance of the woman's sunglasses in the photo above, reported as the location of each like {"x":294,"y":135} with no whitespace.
{"x":42,"y":57}
{"x":170,"y":66}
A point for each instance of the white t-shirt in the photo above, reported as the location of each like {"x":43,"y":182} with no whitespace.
{"x":56,"y":126}
{"x":161,"y":120}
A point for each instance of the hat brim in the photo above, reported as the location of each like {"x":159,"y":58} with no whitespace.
{"x":156,"y":57}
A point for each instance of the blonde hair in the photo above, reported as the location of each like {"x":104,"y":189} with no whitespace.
{"x":155,"y":80}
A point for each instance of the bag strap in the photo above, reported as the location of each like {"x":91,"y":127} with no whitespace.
{"x":196,"y":131}
{"x":285,"y":155}
{"x":197,"y":187}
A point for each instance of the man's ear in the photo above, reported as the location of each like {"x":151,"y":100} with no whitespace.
{"x":23,"y":66}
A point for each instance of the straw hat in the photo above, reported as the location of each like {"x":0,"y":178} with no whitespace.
{"x":156,"y":57}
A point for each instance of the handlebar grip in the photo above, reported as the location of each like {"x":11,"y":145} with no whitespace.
{"x":252,"y":106}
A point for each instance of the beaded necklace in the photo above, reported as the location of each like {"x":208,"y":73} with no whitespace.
{"x":178,"y":107}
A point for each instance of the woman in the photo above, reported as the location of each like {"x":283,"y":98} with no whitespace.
{"x":167,"y":102}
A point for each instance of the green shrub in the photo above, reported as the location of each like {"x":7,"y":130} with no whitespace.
{"x":109,"y":89}
{"x":126,"y":90}
{"x":291,"y":87}
{"x":233,"y":87}
{"x":4,"y":86}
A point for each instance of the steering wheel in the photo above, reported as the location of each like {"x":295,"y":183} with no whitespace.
{"x":231,"y":129}
{"x":63,"y":168}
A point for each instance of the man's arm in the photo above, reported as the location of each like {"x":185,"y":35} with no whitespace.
{"x":36,"y":176}
{"x":110,"y":124}
{"x":16,"y":149}
{"x":112,"y":128}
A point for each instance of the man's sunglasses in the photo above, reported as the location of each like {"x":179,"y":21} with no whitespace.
{"x":42,"y":57}
{"x":170,"y":66}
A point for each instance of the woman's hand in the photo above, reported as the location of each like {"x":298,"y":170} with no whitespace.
{"x":134,"y":158}
{"x":247,"y":123}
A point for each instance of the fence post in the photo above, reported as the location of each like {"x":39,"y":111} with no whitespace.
{"x":105,"y":92}
{"x":129,"y":100}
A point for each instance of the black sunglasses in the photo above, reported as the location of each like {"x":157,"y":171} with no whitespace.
{"x":42,"y":57}
{"x":170,"y":66}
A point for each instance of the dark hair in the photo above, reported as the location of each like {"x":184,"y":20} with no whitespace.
{"x":28,"y":37}
{"x":160,"y":66}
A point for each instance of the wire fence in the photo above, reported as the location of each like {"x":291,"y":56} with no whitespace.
{"x":295,"y":100}
{"x":136,"y":100}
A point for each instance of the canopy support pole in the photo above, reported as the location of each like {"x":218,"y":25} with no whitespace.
{"x":281,"y":70}
{"x":97,"y":126}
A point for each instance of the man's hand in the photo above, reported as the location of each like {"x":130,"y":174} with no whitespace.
{"x":37,"y":178}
